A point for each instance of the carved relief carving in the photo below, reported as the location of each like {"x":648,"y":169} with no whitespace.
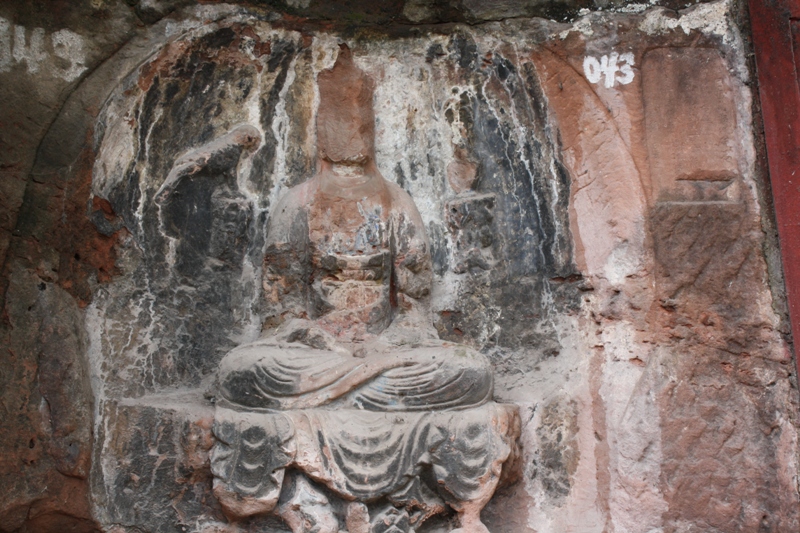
{"x":349,"y":414}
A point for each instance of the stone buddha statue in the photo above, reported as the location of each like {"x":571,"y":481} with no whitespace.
{"x":349,"y":414}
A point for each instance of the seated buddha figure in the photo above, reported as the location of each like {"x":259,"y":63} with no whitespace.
{"x":349,"y":413}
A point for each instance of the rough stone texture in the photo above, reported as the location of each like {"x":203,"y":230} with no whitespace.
{"x":49,"y":444}
{"x":638,"y":326}
{"x":690,"y":121}
{"x":367,"y":409}
{"x":46,"y":414}
{"x":175,"y":470}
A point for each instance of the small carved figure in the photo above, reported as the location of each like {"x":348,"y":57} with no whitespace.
{"x":349,"y":412}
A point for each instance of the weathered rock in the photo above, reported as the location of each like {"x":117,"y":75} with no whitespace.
{"x":47,"y":430}
{"x":606,"y":252}
{"x":46,"y":421}
{"x":690,"y":127}
{"x":359,"y":395}
{"x":157,"y":450}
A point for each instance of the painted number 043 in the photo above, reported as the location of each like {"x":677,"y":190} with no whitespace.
{"x":611,"y":68}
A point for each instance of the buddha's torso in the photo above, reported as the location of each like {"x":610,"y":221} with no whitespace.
{"x":351,"y":261}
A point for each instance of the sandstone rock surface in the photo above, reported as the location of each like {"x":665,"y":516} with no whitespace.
{"x":589,"y":184}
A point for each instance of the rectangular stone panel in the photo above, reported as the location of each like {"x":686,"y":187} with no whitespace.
{"x":690,"y":123}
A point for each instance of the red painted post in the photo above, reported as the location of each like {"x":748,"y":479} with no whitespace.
{"x":776,"y":39}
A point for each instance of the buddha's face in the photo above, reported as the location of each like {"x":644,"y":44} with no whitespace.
{"x":343,"y":140}
{"x":345,"y":120}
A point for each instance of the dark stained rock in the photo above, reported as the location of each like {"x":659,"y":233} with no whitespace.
{"x":606,"y":251}
{"x":158,"y":452}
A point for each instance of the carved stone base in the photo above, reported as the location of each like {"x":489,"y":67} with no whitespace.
{"x":403,"y":468}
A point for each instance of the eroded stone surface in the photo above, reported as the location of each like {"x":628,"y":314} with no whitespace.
{"x":612,"y":315}
{"x":352,"y":390}
{"x":690,"y":120}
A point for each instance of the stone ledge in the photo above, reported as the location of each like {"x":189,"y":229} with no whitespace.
{"x":155,"y":473}
{"x":155,"y":468}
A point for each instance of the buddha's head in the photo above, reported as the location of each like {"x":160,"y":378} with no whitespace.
{"x":345,"y":120}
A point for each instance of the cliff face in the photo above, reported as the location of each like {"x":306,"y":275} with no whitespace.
{"x":590,"y":182}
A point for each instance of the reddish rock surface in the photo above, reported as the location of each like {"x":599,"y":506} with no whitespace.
{"x":606,"y":247}
{"x":690,"y":124}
